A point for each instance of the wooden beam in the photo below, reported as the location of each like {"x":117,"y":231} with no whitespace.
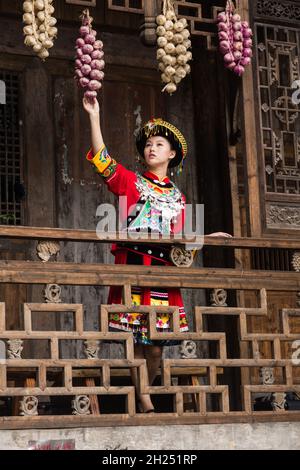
{"x":45,"y":233}
{"x":52,"y":422}
{"x":32,"y":272}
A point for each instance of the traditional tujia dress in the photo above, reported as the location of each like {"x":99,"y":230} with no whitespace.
{"x":152,"y":206}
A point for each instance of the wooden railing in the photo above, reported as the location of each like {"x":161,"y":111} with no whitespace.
{"x":46,"y":233}
{"x":194,"y":389}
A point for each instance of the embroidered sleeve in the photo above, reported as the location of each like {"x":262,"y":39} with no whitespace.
{"x":103,"y":163}
{"x":119,"y":180}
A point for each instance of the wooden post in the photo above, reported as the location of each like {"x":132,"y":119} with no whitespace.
{"x":277,"y":349}
{"x":79,"y":319}
{"x":2,"y":317}
{"x":3,"y":383}
{"x":247,"y":400}
{"x":103,"y":319}
{"x":148,"y":29}
{"x":27,"y":319}
{"x":213,"y":376}
{"x":127,"y":295}
{"x":106,"y":376}
{"x":255,"y":226}
{"x":129,"y":349}
{"x":90,"y":382}
{"x":165,"y":373}
{"x":225,"y":401}
{"x":42,"y":377}
{"x":54,"y":348}
{"x":179,"y":404}
{"x":202,"y":401}
{"x":130,"y":403}
{"x":68,"y":377}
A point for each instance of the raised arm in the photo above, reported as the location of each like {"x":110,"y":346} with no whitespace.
{"x":119,"y":180}
{"x":93,"y":110}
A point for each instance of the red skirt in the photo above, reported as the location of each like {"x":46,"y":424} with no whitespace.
{"x":137,"y":323}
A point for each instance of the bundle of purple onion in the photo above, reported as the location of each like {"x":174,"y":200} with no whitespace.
{"x":89,"y":63}
{"x":235,"y":38}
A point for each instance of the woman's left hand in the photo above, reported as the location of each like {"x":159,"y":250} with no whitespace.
{"x":220,"y":234}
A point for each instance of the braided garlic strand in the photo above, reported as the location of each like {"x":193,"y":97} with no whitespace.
{"x":40,"y":29}
{"x":173,"y":41}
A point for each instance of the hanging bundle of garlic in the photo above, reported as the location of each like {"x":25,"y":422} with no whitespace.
{"x":173,"y":43}
{"x":40,"y":29}
{"x":235,"y":39}
{"x":89,"y":63}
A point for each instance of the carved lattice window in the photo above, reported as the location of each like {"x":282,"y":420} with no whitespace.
{"x":10,"y":150}
{"x":277,"y":109}
{"x":278,"y":69}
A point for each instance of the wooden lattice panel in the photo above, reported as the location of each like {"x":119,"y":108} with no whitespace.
{"x":210,"y":397}
{"x":10,"y":151}
{"x":127,"y":6}
{"x":278,"y":10}
{"x":36,"y":371}
{"x":278,"y":67}
{"x":277,"y":72}
{"x":201,"y":15}
{"x":86,"y":3}
{"x":283,"y":382}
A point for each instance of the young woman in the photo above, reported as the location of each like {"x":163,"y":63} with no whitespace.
{"x":154,"y":204}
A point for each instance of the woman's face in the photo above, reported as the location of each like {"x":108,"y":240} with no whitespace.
{"x":158,"y":152}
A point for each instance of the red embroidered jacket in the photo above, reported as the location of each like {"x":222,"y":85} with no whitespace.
{"x":123,"y":182}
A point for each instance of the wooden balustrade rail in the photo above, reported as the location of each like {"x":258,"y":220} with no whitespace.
{"x":76,"y":235}
{"x":25,"y":383}
{"x":34,"y":272}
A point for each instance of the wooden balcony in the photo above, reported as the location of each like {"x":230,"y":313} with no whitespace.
{"x":255,"y":383}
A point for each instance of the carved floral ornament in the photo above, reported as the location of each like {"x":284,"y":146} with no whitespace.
{"x":181,"y":257}
{"x":91,"y":349}
{"x":52,"y":293}
{"x":45,"y":249}
{"x":81,"y":405}
{"x":288,"y":10}
{"x":15,"y":348}
{"x":29,"y":406}
{"x":279,"y":401}
{"x":283,"y":216}
{"x":296,"y":261}
{"x":218,"y":298}
{"x":188,"y":349}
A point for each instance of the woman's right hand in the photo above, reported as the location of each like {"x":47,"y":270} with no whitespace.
{"x":219,"y":234}
{"x":91,"y":107}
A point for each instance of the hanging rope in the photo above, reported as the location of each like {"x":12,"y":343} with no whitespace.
{"x":168,"y":5}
